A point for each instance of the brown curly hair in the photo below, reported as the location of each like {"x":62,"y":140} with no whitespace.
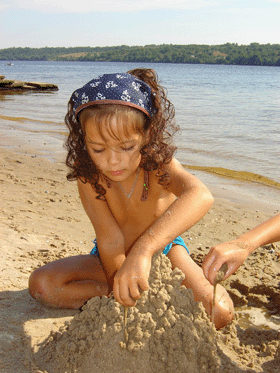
{"x":154,"y":154}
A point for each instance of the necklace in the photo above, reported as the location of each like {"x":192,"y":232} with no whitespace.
{"x":133,"y":186}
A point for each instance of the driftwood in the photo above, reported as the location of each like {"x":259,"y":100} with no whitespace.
{"x":18,"y":85}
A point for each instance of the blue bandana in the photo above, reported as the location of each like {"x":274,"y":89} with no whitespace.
{"x":122,"y":89}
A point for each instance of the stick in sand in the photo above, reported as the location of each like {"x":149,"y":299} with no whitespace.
{"x":125,"y":325}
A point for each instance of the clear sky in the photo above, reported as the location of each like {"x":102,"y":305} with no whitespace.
{"x":69,"y":23}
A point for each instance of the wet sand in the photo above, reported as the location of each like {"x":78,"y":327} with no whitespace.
{"x":42,"y":219}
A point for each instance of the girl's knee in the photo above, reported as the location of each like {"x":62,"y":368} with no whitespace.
{"x":40,"y":286}
{"x":35,"y":283}
{"x":223,"y":317}
{"x":224,"y":310}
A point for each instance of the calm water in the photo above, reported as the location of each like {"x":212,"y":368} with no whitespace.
{"x":229,"y":115}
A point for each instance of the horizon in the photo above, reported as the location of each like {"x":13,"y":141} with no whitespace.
{"x":107,"y":23}
{"x":146,"y":45}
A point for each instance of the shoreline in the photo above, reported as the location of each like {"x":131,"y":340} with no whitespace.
{"x":223,"y":183}
{"x":42,"y":220}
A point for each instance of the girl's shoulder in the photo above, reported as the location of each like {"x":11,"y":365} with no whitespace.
{"x":180,"y":179}
{"x":175,"y":168}
{"x":169,"y":177}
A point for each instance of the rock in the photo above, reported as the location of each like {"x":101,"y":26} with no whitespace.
{"x":42,"y":85}
{"x":18,"y":85}
{"x":6,"y":83}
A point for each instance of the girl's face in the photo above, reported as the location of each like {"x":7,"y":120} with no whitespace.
{"x":115,"y":152}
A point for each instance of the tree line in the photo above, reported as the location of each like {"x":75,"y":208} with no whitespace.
{"x":254,"y":54}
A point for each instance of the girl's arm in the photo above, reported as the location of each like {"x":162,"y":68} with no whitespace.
{"x":235,"y":252}
{"x":193,"y":201}
{"x":110,"y":240}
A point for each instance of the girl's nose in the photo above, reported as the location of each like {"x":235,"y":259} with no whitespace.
{"x":113,"y":157}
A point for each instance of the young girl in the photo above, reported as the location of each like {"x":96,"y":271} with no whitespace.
{"x":235,"y":252}
{"x":137,"y":196}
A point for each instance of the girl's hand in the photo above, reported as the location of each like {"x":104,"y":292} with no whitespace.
{"x":233,"y":253}
{"x":131,"y":279}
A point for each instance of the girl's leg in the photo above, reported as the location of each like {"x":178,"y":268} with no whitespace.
{"x":202,"y":289}
{"x":68,"y":282}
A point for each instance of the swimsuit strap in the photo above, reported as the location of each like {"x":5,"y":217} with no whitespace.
{"x":145,"y":186}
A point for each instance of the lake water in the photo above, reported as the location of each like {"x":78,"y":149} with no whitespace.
{"x":229,"y":117}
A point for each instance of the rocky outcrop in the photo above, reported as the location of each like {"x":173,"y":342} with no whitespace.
{"x":18,"y":85}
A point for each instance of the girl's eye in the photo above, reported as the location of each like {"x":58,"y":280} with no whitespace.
{"x":98,"y":150}
{"x":129,"y":149}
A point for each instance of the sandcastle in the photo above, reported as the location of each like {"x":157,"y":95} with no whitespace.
{"x":167,"y":331}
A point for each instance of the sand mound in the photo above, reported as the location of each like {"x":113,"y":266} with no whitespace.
{"x":166,"y":332}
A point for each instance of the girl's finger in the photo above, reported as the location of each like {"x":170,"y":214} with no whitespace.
{"x":116,"y":292}
{"x":124,"y":296}
{"x":143,"y":284}
{"x":207,"y":264}
{"x":134,"y":291}
{"x":213,"y":270}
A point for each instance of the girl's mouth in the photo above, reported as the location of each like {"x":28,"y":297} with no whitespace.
{"x":116,"y":173}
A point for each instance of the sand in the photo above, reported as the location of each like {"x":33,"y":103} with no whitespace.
{"x":42,"y":219}
{"x":165,"y":332}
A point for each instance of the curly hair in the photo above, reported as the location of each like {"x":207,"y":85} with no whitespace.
{"x":157,"y":152}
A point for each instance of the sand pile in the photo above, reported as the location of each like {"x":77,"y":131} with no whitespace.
{"x":166,"y":332}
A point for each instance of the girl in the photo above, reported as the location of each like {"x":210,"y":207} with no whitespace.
{"x":137,"y":196}
{"x":235,"y":252}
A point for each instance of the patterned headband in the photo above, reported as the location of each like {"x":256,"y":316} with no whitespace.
{"x":122,"y":89}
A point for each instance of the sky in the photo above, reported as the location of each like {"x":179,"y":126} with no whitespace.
{"x":70,"y":23}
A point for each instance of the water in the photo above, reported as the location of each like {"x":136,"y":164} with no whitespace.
{"x":229,"y":115}
{"x":259,"y":318}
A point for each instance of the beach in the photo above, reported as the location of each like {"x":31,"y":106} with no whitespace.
{"x":42,"y":220}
